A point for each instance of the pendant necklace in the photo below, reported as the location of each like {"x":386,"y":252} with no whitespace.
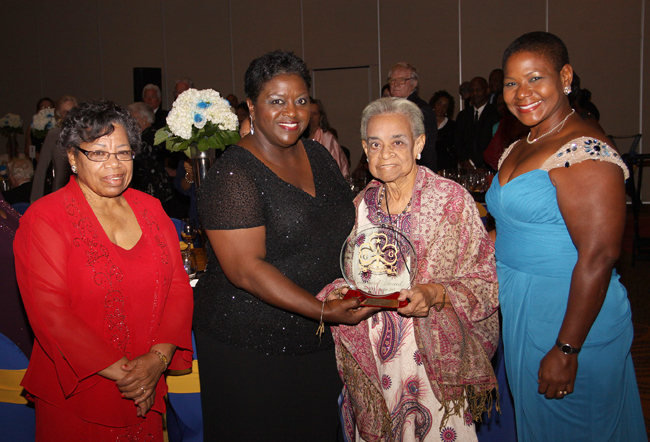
{"x":561,"y":126}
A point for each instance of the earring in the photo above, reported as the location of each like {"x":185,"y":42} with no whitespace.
{"x":567,"y":90}
{"x":74,"y":168}
{"x":252,"y":128}
{"x":419,"y":157}
{"x":367,"y":160}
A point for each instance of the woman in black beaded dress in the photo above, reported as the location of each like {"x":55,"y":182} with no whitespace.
{"x":276,"y":210}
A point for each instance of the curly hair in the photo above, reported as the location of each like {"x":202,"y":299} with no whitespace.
{"x":452,"y":103}
{"x":544,"y":43}
{"x":263,"y":69}
{"x":94,"y":119}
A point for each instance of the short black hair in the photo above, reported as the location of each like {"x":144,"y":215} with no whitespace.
{"x":94,"y":119}
{"x":545,"y":43}
{"x":42,"y":100}
{"x":263,"y":69}
{"x":452,"y":103}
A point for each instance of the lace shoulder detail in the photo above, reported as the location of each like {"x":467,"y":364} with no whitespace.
{"x":582,"y":149}
{"x":505,"y":154}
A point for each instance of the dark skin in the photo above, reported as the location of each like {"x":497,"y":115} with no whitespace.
{"x":280,"y":114}
{"x":591,"y":190}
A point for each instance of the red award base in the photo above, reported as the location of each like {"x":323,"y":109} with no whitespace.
{"x":388,"y":301}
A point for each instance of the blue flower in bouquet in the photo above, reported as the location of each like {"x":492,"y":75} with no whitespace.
{"x":199,"y":121}
{"x":43,"y":121}
{"x":11,"y":124}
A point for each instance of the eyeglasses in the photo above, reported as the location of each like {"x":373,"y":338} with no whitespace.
{"x":400,"y":81}
{"x":99,"y":156}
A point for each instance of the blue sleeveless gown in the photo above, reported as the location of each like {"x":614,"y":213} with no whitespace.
{"x":535,"y":260}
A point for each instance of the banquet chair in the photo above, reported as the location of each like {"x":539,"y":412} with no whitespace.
{"x":17,"y":416}
{"x":636,"y":162}
{"x":179,"y":226}
{"x":20,"y":207}
{"x":184,"y":414}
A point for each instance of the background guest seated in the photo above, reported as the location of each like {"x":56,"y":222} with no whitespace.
{"x":319,"y":130}
{"x":444,"y":105}
{"x":21,"y":173}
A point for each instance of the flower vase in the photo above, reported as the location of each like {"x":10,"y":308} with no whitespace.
{"x":201,"y":163}
{"x":12,"y":145}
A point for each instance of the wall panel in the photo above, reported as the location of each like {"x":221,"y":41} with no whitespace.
{"x":133,"y":40}
{"x":197,"y":44}
{"x":605,"y":51}
{"x":69,"y":37}
{"x":424,"y":34}
{"x":489,"y":27}
{"x":260,"y":27}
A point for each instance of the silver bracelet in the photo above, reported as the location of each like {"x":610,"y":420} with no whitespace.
{"x":190,"y":182}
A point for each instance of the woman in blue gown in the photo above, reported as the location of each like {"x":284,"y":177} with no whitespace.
{"x":559,"y":205}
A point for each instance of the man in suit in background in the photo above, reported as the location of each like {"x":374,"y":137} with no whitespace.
{"x":153,"y":97}
{"x":496,"y":85}
{"x":403,"y":81}
{"x":474,"y":126}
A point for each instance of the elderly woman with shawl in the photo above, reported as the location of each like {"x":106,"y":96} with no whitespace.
{"x":422,"y":372}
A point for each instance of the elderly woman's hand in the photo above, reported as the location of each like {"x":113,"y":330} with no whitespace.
{"x":421,"y":298}
{"x":144,"y":406}
{"x":143,"y":375}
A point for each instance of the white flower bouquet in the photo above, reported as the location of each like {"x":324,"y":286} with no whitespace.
{"x":11,"y":124}
{"x":42,"y":122}
{"x":202,"y":118}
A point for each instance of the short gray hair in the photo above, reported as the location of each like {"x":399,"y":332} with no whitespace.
{"x":393,"y":105}
{"x":143,"y":109}
{"x":153,"y":87}
{"x":21,"y":169}
{"x":186,"y":80}
{"x":405,"y":65}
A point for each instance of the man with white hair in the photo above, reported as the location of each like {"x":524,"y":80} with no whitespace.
{"x":403,"y":81}
{"x":152,"y":95}
{"x":21,"y":173}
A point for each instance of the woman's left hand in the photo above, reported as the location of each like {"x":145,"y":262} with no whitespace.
{"x":421,"y":298}
{"x":143,"y":375}
{"x":144,"y":406}
{"x":557,"y":374}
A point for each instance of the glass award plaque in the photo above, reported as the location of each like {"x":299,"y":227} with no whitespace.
{"x":377,"y":262}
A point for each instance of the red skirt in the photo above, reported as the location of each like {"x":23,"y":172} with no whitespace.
{"x":56,"y":425}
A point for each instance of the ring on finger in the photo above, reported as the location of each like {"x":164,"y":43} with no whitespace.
{"x":562,"y":392}
{"x":144,"y":390}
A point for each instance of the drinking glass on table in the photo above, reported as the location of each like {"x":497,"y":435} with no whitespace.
{"x":189,"y":262}
{"x":188,"y":232}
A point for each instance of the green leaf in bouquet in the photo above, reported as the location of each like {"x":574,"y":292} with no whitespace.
{"x":204,"y":144}
{"x":162,"y":134}
{"x":214,"y":143}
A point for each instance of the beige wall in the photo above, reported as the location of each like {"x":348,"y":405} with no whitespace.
{"x":88,"y":49}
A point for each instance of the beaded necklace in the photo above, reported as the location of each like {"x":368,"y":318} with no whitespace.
{"x":381,"y":198}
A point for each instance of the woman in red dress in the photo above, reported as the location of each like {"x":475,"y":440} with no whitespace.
{"x":100,"y":274}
